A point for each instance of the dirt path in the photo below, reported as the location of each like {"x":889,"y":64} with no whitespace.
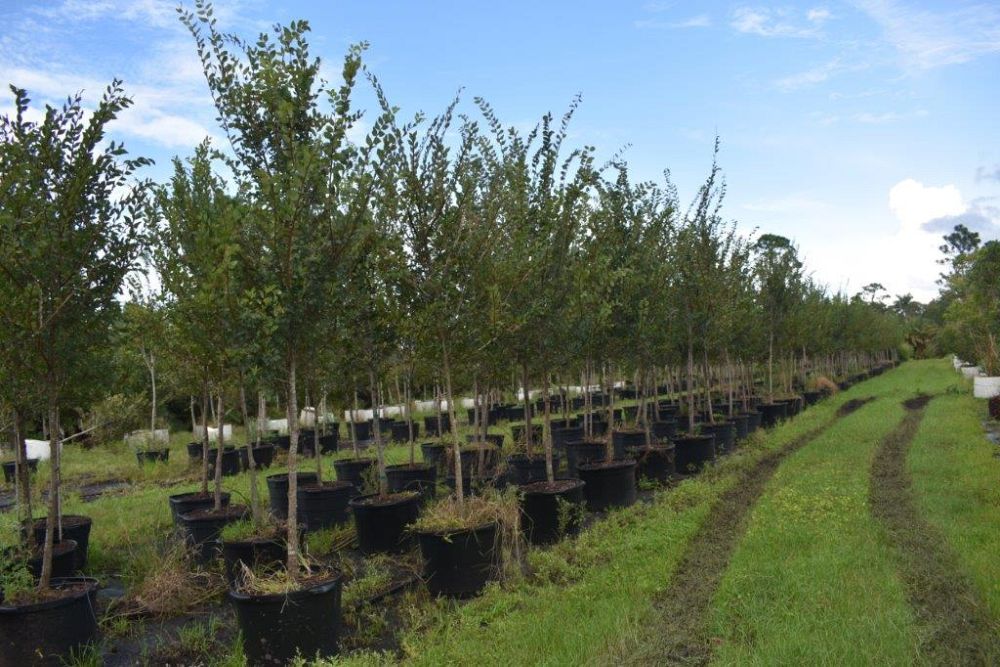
{"x":682,"y":610}
{"x":957,"y":629}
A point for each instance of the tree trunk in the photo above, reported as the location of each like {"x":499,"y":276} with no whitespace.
{"x":55,"y":461}
{"x":152,"y":379}
{"x":708,"y":387}
{"x":690,"y":382}
{"x":383,"y":480}
{"x":353,"y":429}
{"x":251,"y":464}
{"x":292,"y":564}
{"x":527,"y":410}
{"x":220,"y":446}
{"x":23,"y":479}
{"x":204,"y":437}
{"x":550,"y":474}
{"x":456,"y":446}
{"x":770,"y":366}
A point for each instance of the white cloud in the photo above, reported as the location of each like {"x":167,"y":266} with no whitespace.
{"x":699,"y":21}
{"x":913,"y":203}
{"x":926,"y":39}
{"x":769,"y":23}
{"x":818,"y":15}
{"x":809,"y":77}
{"x":869,"y":118}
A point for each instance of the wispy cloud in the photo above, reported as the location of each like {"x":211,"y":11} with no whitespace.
{"x":809,"y":77}
{"x":869,"y":118}
{"x":766,"y":22}
{"x":984,"y":173}
{"x":818,"y":15}
{"x":699,"y":21}
{"x":927,"y":39}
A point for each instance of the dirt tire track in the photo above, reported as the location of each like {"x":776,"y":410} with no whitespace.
{"x":683,"y":607}
{"x":956,"y":626}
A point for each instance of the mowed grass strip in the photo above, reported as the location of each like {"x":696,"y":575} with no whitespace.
{"x":814,"y":580}
{"x":955,"y":472}
{"x":587,"y":596}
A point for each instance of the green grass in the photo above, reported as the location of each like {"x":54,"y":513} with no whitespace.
{"x":955,"y":474}
{"x":814,"y":579}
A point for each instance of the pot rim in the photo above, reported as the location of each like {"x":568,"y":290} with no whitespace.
{"x":91,"y":585}
{"x":319,"y":588}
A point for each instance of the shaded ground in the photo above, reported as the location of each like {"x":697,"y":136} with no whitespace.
{"x":684,"y":606}
{"x":957,"y":627}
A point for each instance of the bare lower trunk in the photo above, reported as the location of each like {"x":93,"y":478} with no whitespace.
{"x":23,"y":478}
{"x":527,"y":410}
{"x":690,"y":383}
{"x":220,"y":447}
{"x":770,"y":367}
{"x":708,"y":387}
{"x":550,"y":474}
{"x":292,"y":564}
{"x":383,"y":480}
{"x":251,"y":464}
{"x":353,"y":428}
{"x":409,"y":419}
{"x":459,"y":487}
{"x":51,"y":521}
{"x":204,"y":438}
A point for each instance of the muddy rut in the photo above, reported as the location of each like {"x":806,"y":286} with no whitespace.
{"x":682,"y":610}
{"x":956,"y":628}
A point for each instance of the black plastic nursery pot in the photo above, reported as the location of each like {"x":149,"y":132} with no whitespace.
{"x":725,"y":435}
{"x":741,"y":425}
{"x":266,"y":554}
{"x":583,"y":451}
{"x":560,"y":436}
{"x":277,"y":490}
{"x":795,"y":404}
{"x":431,"y":424}
{"x":382,"y":521}
{"x":480,"y":455}
{"x":324,"y":505}
{"x":655,"y":462}
{"x":329,"y":442}
{"x":194,"y":450}
{"x":664,"y":429}
{"x":10,"y":468}
{"x":205,"y":525}
{"x":608,"y":484}
{"x":420,"y":477}
{"x":307,"y":443}
{"x":185,"y":503}
{"x":275,"y":628}
{"x":522,"y":469}
{"x":433,"y":454}
{"x":47,"y":633}
{"x":692,"y":452}
{"x":282,"y":442}
{"x":753,"y":420}
{"x":230,"y":462}
{"x":624,"y":439}
{"x":401,"y":431}
{"x":772,"y":413}
{"x":64,"y":559}
{"x":812,"y":397}
{"x":474,"y":485}
{"x":547,"y":510}
{"x":494,"y":439}
{"x":74,"y":527}
{"x":359,"y":430}
{"x":263,"y":456}
{"x":357,"y":472}
{"x":458,"y":564}
{"x":153,"y":456}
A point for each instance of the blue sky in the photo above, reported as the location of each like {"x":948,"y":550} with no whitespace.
{"x":860,"y":129}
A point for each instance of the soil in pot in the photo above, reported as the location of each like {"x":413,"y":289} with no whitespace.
{"x":772,"y":413}
{"x":184,"y":503}
{"x":324,"y":505}
{"x":522,"y":469}
{"x":382,"y":521}
{"x":623,"y":439}
{"x":420,"y":477}
{"x":152,"y":456}
{"x":550,"y":512}
{"x":48,"y":632}
{"x":583,"y":451}
{"x":10,"y":467}
{"x":275,"y":628}
{"x":655,"y":463}
{"x":260,"y":553}
{"x":459,"y":563}
{"x":608,"y":484}
{"x":205,"y":525}
{"x":358,"y":472}
{"x":725,"y":436}
{"x":277,"y":490}
{"x":74,"y":527}
{"x":692,"y":452}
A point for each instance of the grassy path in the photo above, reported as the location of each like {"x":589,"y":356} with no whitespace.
{"x":955,"y":627}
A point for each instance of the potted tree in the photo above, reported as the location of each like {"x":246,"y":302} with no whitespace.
{"x":65,"y":258}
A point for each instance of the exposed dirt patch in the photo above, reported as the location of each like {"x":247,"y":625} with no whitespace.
{"x":957,"y":627}
{"x":853,"y":405}
{"x":682,"y":610}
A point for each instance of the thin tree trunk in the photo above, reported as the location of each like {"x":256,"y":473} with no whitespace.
{"x":527,"y":410}
{"x":690,"y":382}
{"x":55,"y":461}
{"x":383,"y":480}
{"x":459,"y":487}
{"x":220,"y":446}
{"x":23,"y":478}
{"x":251,"y":464}
{"x":292,"y":564}
{"x":550,"y":474}
{"x":204,"y":437}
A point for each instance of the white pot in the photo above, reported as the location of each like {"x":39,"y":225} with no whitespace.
{"x":970,"y":371}
{"x":986,"y":387}
{"x":956,"y":362}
